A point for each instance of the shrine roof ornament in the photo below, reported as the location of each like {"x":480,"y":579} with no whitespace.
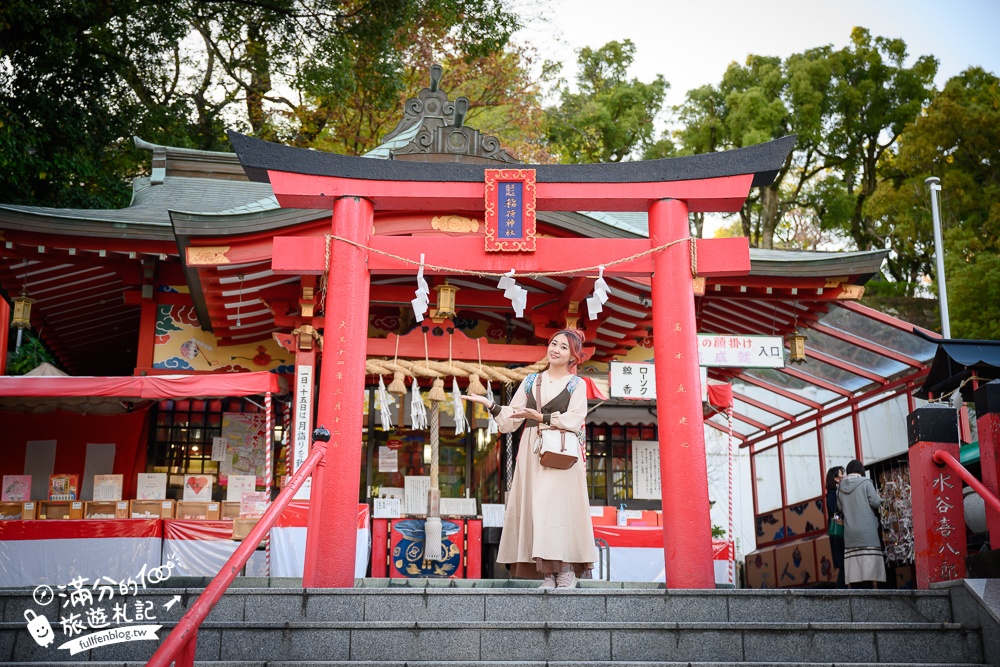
{"x":433,"y":130}
{"x":762,"y":160}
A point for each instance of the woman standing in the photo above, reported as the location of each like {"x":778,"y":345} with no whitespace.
{"x":547,"y":531}
{"x":858,"y":502}
{"x":833,"y":478}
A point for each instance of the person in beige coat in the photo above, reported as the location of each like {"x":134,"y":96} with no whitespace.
{"x":547,"y":531}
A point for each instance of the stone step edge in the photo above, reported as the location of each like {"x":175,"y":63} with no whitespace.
{"x":497,"y":663}
{"x":584,"y":592}
{"x":560,"y":625}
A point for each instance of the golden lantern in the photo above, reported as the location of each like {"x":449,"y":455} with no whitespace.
{"x":22,"y":311}
{"x":445,"y":302}
{"x":797,"y":348}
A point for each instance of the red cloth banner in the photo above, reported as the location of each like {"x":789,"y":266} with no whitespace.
{"x":72,"y":432}
{"x":720,"y":395}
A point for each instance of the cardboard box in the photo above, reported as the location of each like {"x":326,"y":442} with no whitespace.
{"x":231,"y":510}
{"x":760,"y":569}
{"x":60,"y":509}
{"x":105,"y":509}
{"x":147,"y":509}
{"x":11,"y":510}
{"x":207,"y":511}
{"x":795,"y":564}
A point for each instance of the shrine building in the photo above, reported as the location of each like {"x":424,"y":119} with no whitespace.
{"x":768,"y":370}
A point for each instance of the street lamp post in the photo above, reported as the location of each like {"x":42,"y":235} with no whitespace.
{"x":934,"y":183}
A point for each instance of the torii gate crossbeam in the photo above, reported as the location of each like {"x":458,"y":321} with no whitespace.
{"x":353,"y":188}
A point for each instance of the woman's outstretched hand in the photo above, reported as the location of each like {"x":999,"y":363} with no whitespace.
{"x":482,"y":400}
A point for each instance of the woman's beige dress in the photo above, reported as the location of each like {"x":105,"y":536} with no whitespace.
{"x":547,"y":527}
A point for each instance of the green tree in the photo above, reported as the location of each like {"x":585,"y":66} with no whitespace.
{"x":847,"y":108}
{"x":78,"y":78}
{"x":610,"y":116}
{"x":956,"y":139}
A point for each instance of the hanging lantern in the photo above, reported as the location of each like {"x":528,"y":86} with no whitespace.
{"x":22,"y":311}
{"x":445,"y":302}
{"x":797,"y":348}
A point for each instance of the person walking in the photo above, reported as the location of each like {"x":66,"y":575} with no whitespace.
{"x":858,"y":502}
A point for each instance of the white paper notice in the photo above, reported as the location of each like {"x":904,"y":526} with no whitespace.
{"x":219,"y":447}
{"x":151,"y":486}
{"x":238,"y":485}
{"x":387,"y":508}
{"x":108,"y":487}
{"x":493,"y":515}
{"x":458,"y":507}
{"x":646,"y":470}
{"x":597,"y":510}
{"x":415,"y":494}
{"x":388,"y":460}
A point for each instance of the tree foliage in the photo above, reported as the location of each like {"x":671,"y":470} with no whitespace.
{"x":78,"y":78}
{"x":609,"y":117}
{"x":847,"y":108}
{"x":956,"y":139}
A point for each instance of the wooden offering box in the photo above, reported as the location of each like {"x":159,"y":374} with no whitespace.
{"x":11,"y":510}
{"x":242,"y":527}
{"x":148,"y":509}
{"x":231,"y":510}
{"x":60,"y":509}
{"x":105,"y":509}
{"x":189,"y":510}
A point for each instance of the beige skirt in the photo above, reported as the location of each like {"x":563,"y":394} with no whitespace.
{"x":547,"y":526}
{"x":863,"y":564}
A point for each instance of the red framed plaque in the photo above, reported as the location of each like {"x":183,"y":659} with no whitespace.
{"x":510,"y":210}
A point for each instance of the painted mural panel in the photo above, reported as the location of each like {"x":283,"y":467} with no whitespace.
{"x":182,"y":345}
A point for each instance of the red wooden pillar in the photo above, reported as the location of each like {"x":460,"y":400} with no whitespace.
{"x":4,"y":332}
{"x":333,"y":514}
{"x":687,"y":525}
{"x":147,"y":335}
{"x":936,"y":492}
{"x":987,"y":399}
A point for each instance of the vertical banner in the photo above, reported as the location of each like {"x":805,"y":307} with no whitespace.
{"x":303,"y":424}
{"x":510,"y":210}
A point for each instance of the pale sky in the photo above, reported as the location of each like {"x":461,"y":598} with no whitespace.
{"x":691,"y":43}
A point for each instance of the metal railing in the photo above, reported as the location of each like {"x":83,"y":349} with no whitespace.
{"x":944,"y":458}
{"x":179,"y":646}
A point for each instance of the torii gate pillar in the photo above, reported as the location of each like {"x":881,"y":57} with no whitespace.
{"x":687,"y":525}
{"x":333,"y":518}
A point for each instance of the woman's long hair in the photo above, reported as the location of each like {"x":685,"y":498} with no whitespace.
{"x":831,"y":478}
{"x":575,"y":339}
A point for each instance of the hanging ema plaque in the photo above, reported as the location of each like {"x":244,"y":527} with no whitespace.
{"x":510,"y":210}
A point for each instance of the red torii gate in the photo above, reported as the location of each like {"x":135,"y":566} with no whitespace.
{"x":353,"y":188}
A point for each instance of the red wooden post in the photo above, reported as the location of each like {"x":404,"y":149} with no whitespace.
{"x":938,"y":516}
{"x":380,"y":548}
{"x":473,"y":549}
{"x":333,"y":518}
{"x":987,"y":399}
{"x":4,"y":330}
{"x":147,"y":335}
{"x":687,"y":525}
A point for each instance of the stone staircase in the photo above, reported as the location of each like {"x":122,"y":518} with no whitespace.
{"x":443,"y":623}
